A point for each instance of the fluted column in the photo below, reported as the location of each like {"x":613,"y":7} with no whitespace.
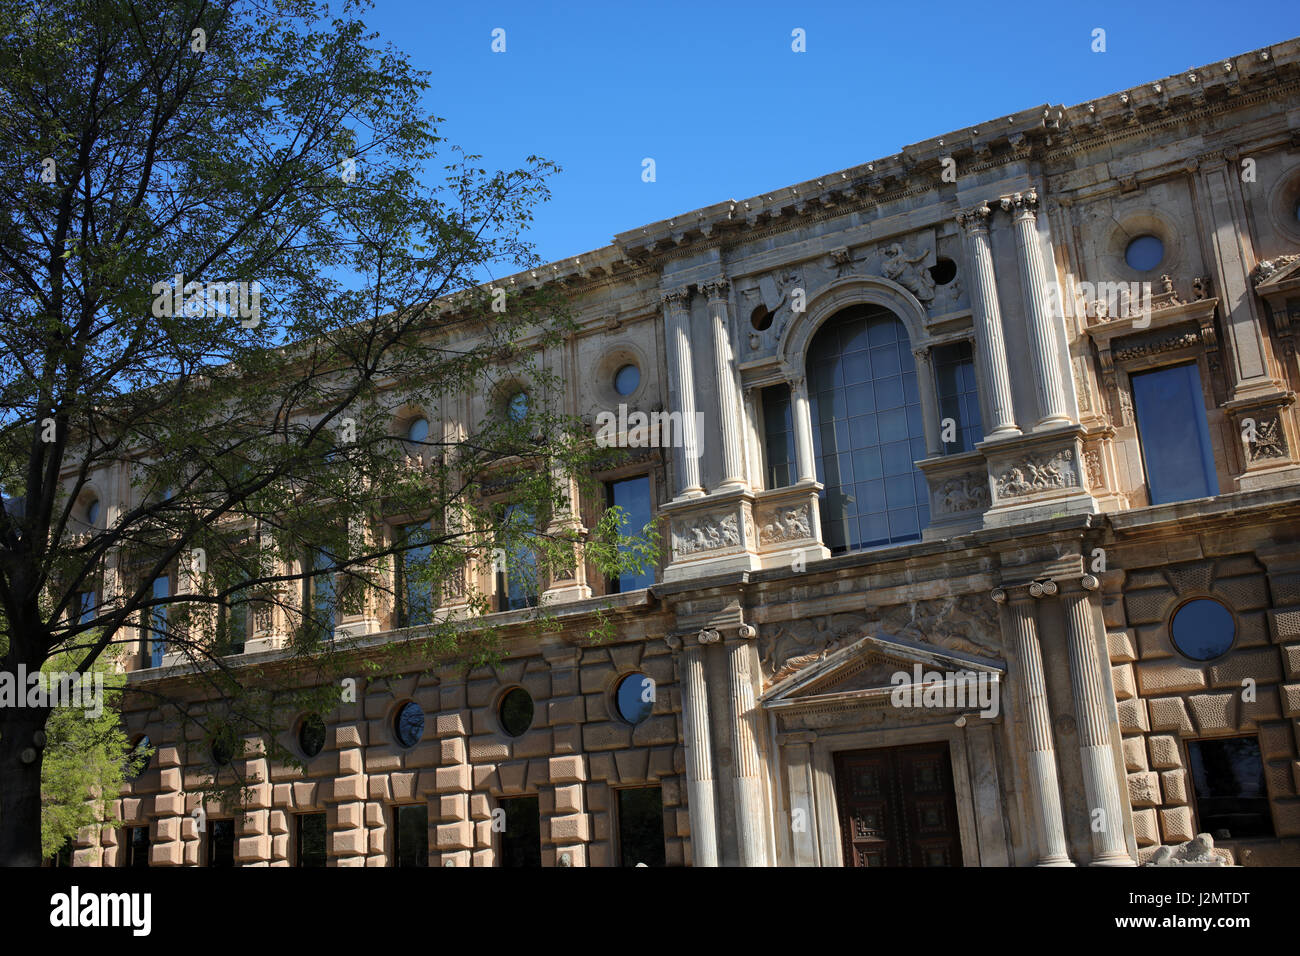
{"x":699,"y":756}
{"x":1099,"y":782}
{"x":1033,"y":287}
{"x":1044,"y":783}
{"x":988,"y":323}
{"x":747,"y":779}
{"x":801,"y":419}
{"x":724,"y":375}
{"x":929,"y":411}
{"x":681,"y":382}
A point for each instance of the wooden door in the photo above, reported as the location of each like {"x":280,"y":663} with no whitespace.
{"x":897,"y":806}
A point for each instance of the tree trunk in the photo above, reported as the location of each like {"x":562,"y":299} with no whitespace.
{"x":21,"y":729}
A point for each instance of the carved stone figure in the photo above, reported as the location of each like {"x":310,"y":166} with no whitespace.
{"x":1268,"y":441}
{"x":705,"y":533}
{"x":1199,"y":851}
{"x":897,"y":267}
{"x":786,"y":524}
{"x":1038,"y":473}
{"x":964,"y":493}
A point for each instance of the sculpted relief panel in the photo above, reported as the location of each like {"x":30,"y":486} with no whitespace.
{"x":967,"y":624}
{"x":709,"y":532}
{"x":785,"y":523}
{"x":1038,"y":473}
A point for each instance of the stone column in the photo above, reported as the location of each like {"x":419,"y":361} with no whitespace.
{"x":699,"y":755}
{"x":1044,"y":783}
{"x":1099,"y":782}
{"x":681,"y":384}
{"x":797,"y":750}
{"x":801,"y":419}
{"x":926,"y":386}
{"x":988,"y":323}
{"x":1033,"y":288}
{"x":747,"y":778}
{"x":724,"y":374}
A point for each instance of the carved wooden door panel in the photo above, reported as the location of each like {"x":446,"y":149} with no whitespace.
{"x":897,"y":806}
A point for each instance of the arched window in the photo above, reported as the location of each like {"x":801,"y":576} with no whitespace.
{"x":867,"y":430}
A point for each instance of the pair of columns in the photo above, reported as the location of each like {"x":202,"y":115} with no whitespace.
{"x":746,"y":774}
{"x":988,"y":315}
{"x":1101,"y":785}
{"x":682,"y":382}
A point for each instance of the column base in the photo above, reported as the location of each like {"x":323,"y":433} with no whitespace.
{"x":1117,"y":859}
{"x":1056,"y":861}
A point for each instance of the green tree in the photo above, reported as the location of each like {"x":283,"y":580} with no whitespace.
{"x":152,"y":154}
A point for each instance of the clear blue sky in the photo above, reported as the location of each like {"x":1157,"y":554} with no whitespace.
{"x":713,"y":92}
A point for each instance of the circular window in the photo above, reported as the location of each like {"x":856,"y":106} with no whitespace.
{"x":92,"y":511}
{"x":627,"y":379}
{"x":943,"y":271}
{"x":761,"y":318}
{"x":418,"y":430}
{"x":517,"y":407}
{"x":1144,"y":253}
{"x":635,"y":697}
{"x":516,"y":712}
{"x":222,"y":753}
{"x":311,"y":735}
{"x":408,"y":726}
{"x":1203,"y":629}
{"x":138,"y":760}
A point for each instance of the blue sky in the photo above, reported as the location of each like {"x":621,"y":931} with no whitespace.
{"x":715,"y":95}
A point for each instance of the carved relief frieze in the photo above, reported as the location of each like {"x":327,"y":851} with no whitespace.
{"x":785,"y":523}
{"x":707,"y":532}
{"x":897,"y":266}
{"x":1093,"y":469}
{"x":1265,"y":440}
{"x":1038,"y":473}
{"x":969,"y":492}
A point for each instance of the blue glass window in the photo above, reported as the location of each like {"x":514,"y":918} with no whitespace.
{"x":415,"y":591}
{"x":954,"y":379}
{"x":1170,"y":411}
{"x":1203,"y":629}
{"x":633,"y":496}
{"x":85,"y":607}
{"x":517,"y":580}
{"x":778,"y":434}
{"x":867,"y":431}
{"x":322,"y":595}
{"x":162,"y":588}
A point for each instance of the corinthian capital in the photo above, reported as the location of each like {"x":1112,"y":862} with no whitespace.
{"x":716,"y":289}
{"x":976,"y":217}
{"x":676,"y":298}
{"x":1021,"y":204}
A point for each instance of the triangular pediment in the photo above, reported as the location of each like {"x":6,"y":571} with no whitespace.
{"x":1280,"y":274}
{"x":868,"y":669}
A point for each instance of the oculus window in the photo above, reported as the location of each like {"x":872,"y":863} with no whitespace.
{"x":516,"y":712}
{"x":408,"y":724}
{"x":311,"y":735}
{"x":635,"y":697}
{"x":867,"y":431}
{"x":1202,"y":629}
{"x":1144,"y":253}
{"x":1170,"y":412}
{"x":626,"y":379}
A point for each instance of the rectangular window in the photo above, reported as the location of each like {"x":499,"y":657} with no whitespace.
{"x":136,"y":845}
{"x":633,"y":496}
{"x":414,"y":592}
{"x":221,"y":842}
{"x":517,"y":574}
{"x":521,"y":840}
{"x":960,"y":426}
{"x":310,"y":840}
{"x":641,"y":826}
{"x":85,"y":607}
{"x":1170,"y":411}
{"x":1231,"y":795}
{"x":778,"y":436}
{"x":412,"y":839}
{"x":157,"y":629}
{"x":322,"y":595}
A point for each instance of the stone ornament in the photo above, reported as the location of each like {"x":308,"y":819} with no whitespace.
{"x":1092,"y":463}
{"x":1199,"y":851}
{"x":968,"y":492}
{"x":1268,"y":441}
{"x":1038,"y":473}
{"x":898,"y":267}
{"x":1043,"y":589}
{"x":708,"y":636}
{"x":747,"y":632}
{"x":787,"y":523}
{"x":706,"y":533}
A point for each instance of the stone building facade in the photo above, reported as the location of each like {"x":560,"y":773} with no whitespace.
{"x":1074,"y":327}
